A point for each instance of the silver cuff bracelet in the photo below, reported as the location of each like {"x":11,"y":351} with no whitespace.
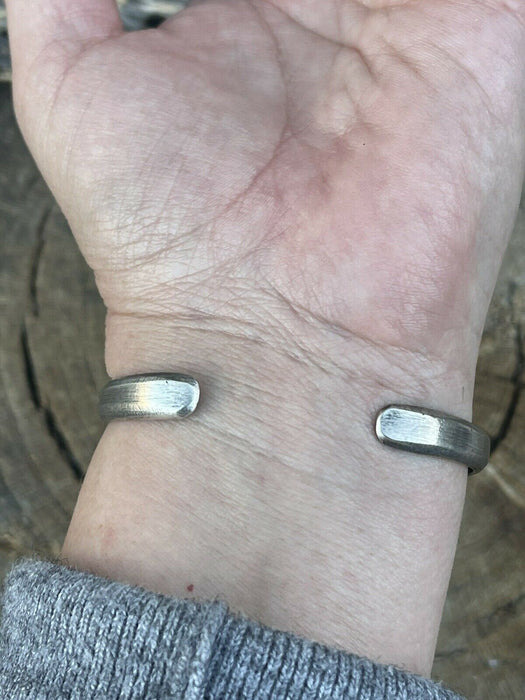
{"x":158,"y":396}
{"x":163,"y":396}
{"x":427,"y":432}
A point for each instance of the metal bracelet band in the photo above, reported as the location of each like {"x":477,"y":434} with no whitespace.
{"x":427,"y":432}
{"x":158,"y":396}
{"x":161,"y":396}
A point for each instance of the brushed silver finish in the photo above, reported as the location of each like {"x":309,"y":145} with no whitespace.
{"x":420,"y":430}
{"x":159,"y":396}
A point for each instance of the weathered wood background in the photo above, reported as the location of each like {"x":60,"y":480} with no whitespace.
{"x":51,"y":369}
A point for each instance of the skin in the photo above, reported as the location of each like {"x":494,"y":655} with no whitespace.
{"x":304,"y":205}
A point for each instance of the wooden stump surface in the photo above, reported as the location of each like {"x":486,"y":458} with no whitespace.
{"x":51,"y":369}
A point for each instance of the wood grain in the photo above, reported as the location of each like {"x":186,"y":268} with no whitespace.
{"x":51,"y":369}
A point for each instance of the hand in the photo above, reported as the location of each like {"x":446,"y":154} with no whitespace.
{"x":306,"y":205}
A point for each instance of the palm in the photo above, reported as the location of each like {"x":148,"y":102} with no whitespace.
{"x":343,"y":168}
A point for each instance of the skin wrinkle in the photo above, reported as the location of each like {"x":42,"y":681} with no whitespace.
{"x":486,"y":99}
{"x":235,"y":202}
{"x":242,"y":196}
{"x":340,"y":47}
{"x":200,"y":275}
{"x":330,"y":364}
{"x":279,"y":60}
{"x":347,"y":98}
{"x":302,"y":313}
{"x":67,"y":70}
{"x":73,"y":140}
{"x":319,"y":35}
{"x":304,"y":317}
{"x":237,"y":199}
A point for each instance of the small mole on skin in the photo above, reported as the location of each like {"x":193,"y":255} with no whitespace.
{"x":190,"y":588}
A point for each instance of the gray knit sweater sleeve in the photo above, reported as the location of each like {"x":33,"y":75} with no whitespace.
{"x":69,"y":634}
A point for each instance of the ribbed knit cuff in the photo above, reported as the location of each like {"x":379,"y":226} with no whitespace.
{"x":70,"y":634}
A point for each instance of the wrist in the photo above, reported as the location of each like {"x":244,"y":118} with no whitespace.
{"x":277,"y":352}
{"x":275,"y":495}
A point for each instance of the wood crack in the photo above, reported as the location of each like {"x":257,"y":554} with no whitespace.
{"x":29,"y":369}
{"x":509,"y":611}
{"x":49,"y":418}
{"x":451,"y":653}
{"x":60,"y":441}
{"x":516,"y":380}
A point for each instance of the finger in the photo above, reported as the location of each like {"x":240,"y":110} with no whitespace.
{"x":64,"y":25}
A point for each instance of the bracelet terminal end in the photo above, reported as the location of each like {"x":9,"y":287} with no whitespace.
{"x":427,"y":432}
{"x":157,"y":396}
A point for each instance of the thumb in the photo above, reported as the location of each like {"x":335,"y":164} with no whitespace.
{"x":47,"y":34}
{"x":34,"y":26}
